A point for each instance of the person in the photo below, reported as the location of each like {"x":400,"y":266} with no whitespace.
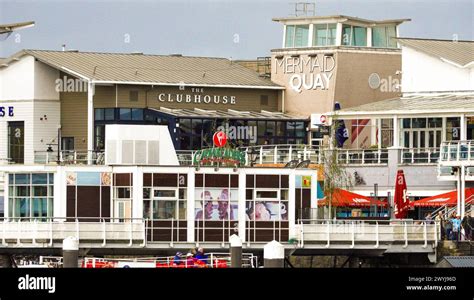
{"x":226,"y":211}
{"x":428,"y":218}
{"x":440,"y":218}
{"x":189,"y":260}
{"x":449,"y":228}
{"x":466,"y":225}
{"x":456,"y":227}
{"x":201,"y":256}
{"x":208,"y":207}
{"x":259,"y":213}
{"x":177,"y":260}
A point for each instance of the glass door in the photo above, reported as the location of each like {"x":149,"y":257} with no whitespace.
{"x":16,"y":142}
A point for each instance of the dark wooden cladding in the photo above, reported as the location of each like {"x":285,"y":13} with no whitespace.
{"x":183,"y":180}
{"x":125,"y":179}
{"x":199,"y":180}
{"x":250,"y":181}
{"x":268,"y":181}
{"x":284,"y":181}
{"x":165,"y":179}
{"x":88,"y":202}
{"x":147,"y":179}
{"x":265,"y":231}
{"x":234,"y":181}
{"x":249,"y":194}
{"x":216,"y":180}
{"x":160,"y":231}
{"x":71,"y":202}
{"x":105,"y":202}
{"x":215,"y":231}
{"x":302,"y":203}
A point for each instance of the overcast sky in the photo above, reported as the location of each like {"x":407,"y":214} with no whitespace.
{"x":241,"y":29}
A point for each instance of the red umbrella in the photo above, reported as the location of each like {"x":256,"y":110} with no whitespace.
{"x":401,"y":201}
{"x":449,"y":199}
{"x":343,"y":198}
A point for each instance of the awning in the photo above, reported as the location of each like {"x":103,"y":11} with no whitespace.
{"x":343,"y":198}
{"x":450,"y":199}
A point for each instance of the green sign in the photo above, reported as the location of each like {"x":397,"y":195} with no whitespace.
{"x":221,"y":156}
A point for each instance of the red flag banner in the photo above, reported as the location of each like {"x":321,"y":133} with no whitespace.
{"x":401,"y":201}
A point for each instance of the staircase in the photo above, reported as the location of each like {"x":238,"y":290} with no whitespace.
{"x":453,"y":248}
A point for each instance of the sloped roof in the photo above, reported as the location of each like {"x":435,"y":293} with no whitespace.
{"x":228,"y":114}
{"x":129,"y":68}
{"x":416,"y":103}
{"x":341,"y":18}
{"x":460,"y":261}
{"x":460,"y":53}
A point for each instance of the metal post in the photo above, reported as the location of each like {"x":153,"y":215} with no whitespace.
{"x":273,"y":255}
{"x":70,"y":252}
{"x":235,"y":251}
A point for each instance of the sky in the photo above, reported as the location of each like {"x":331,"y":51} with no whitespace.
{"x":237,"y":29}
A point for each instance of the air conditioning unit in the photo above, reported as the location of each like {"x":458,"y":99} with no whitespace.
{"x":139,"y":145}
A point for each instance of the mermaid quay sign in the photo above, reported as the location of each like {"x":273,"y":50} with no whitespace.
{"x":309,"y":72}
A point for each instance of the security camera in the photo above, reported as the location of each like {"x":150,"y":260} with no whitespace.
{"x":398,"y":72}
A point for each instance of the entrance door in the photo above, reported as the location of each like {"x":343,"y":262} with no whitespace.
{"x":16,"y":142}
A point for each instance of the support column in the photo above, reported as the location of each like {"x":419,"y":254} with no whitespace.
{"x":458,"y":202}
{"x":462,"y":209}
{"x":235,"y":251}
{"x":241,"y":205}
{"x":137,"y":193}
{"x":90,"y":122}
{"x":463,"y":129}
{"x":396,"y":132}
{"x":273,"y":255}
{"x":70,"y":252}
{"x":191,"y":203}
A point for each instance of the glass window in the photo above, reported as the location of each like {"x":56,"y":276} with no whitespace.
{"x":406,"y":123}
{"x":137,"y":114}
{"x":453,"y":129}
{"x":123,"y":193}
{"x":301,"y":36}
{"x":354,"y":36}
{"x":197,"y":126}
{"x":435,"y":122}
{"x":419,"y":123}
{"x":290,"y":36}
{"x":359,"y":36}
{"x":109,"y":114}
{"x":331,"y":34}
{"x":379,"y":37}
{"x":185,"y":126}
{"x":99,"y":114}
{"x":320,"y":35}
{"x":22,"y":178}
{"x":391,"y":35}
{"x":296,"y":36}
{"x":125,"y":114}
{"x":40,"y":191}
{"x":165,"y":193}
{"x":40,"y":178}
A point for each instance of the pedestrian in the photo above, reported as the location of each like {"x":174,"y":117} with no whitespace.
{"x":466,"y":226}
{"x":440,"y":219}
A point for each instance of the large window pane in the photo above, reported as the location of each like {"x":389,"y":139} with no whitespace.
{"x":379,"y":37}
{"x":137,"y":114}
{"x":320,"y":35}
{"x":346,"y":35}
{"x":391,"y":34}
{"x":290,"y":35}
{"x":331,"y":35}
{"x":301,"y":36}
{"x":40,"y":178}
{"x":99,"y":114}
{"x":360,"y":36}
{"x":125,"y":114}
{"x":109,"y":114}
{"x":22,"y":178}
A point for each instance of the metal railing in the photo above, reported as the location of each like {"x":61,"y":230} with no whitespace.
{"x":284,"y":153}
{"x":46,"y":231}
{"x":457,"y":151}
{"x":69,"y":157}
{"x":368,"y":232}
{"x":419,"y":155}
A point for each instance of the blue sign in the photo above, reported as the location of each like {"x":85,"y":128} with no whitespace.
{"x":6,"y":111}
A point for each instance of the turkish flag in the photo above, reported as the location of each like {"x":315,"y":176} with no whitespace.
{"x":401,"y":201}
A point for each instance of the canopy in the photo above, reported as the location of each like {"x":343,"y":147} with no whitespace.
{"x":345,"y":198}
{"x":449,"y":199}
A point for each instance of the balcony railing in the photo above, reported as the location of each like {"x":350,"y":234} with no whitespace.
{"x":457,"y":151}
{"x":69,"y":157}
{"x":419,"y":155}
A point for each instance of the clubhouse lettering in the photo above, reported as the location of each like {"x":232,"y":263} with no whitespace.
{"x":196,"y":98}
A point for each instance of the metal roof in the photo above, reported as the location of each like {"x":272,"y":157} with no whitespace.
{"x":459,"y":53}
{"x":341,"y":18}
{"x":460,"y":261}
{"x":7,"y":28}
{"x":416,"y":104}
{"x":129,"y":68}
{"x":228,"y":114}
